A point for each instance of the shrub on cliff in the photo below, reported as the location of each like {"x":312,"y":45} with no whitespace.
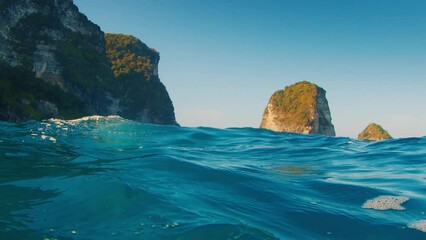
{"x":128,"y":54}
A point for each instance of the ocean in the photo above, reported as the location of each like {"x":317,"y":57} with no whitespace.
{"x":111,"y":178}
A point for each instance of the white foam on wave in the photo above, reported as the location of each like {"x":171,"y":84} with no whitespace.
{"x":94,"y":118}
{"x":84,"y":119}
{"x":386,"y":203}
{"x":45,"y":137}
{"x":419,"y":225}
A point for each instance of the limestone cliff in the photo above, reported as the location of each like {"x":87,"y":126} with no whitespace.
{"x":374,"y":132}
{"x":135,"y":66}
{"x":300,"y":108}
{"x":53,"y":63}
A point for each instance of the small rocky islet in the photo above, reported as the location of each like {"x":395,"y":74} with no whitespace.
{"x":300,"y":108}
{"x":374,"y":132}
{"x":303,"y":108}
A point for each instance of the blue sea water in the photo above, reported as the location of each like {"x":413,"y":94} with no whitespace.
{"x":110,"y":178}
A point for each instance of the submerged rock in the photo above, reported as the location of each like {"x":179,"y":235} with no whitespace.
{"x":374,"y":132}
{"x":386,"y":203}
{"x":300,"y":108}
{"x":419,"y":225}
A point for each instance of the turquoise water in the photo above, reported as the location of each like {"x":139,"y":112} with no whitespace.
{"x":109,"y":178}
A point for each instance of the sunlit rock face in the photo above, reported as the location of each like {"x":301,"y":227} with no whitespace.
{"x":299,"y":108}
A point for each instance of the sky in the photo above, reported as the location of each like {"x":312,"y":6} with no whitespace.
{"x":221,"y":60}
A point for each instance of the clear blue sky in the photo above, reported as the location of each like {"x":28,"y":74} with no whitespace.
{"x":222,"y":59}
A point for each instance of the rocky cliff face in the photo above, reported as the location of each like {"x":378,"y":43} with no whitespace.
{"x":135,"y":66}
{"x":374,"y":132}
{"x":37,"y":34}
{"x":51,"y":40}
{"x":300,"y":108}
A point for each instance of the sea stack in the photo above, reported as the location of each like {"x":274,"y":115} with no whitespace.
{"x":300,"y":108}
{"x":374,"y":132}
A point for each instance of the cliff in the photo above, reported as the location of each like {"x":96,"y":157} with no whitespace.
{"x":374,"y":132}
{"x":135,"y":66}
{"x":53,"y":63}
{"x":300,"y":108}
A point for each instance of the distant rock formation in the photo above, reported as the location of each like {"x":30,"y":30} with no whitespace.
{"x":374,"y":132}
{"x":300,"y":108}
{"x":54,"y":63}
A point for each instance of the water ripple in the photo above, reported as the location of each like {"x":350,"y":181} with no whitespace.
{"x":110,"y":178}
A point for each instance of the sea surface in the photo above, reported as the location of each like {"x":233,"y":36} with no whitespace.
{"x":111,"y":178}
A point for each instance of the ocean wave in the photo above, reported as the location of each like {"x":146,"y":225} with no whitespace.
{"x":87,"y":118}
{"x":111,"y":178}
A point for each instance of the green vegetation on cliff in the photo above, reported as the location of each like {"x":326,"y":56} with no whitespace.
{"x":128,"y":54}
{"x":21,"y":94}
{"x":135,"y":66}
{"x":374,"y":132}
{"x":296,"y":102}
{"x":84,"y":66}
